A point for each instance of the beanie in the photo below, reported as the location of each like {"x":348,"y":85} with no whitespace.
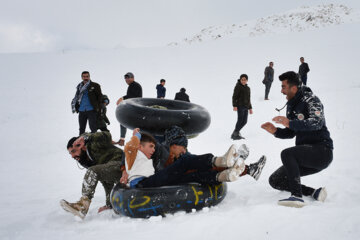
{"x":175,"y":135}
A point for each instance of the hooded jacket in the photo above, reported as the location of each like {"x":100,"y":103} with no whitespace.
{"x":307,"y":120}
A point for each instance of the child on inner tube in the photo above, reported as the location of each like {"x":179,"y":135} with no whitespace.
{"x":206,"y":168}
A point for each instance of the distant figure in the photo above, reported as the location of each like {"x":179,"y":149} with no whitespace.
{"x":182,"y":96}
{"x":134,"y":91}
{"x":303,"y":70}
{"x":268,"y":79}
{"x":102,"y":119}
{"x":87,"y":102}
{"x":242,"y":104}
{"x":161,"y":90}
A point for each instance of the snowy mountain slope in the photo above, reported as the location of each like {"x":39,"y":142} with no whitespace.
{"x":297,"y":20}
{"x":36,"y":122}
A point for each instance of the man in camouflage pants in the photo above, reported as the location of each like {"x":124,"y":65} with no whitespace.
{"x":104,"y":163}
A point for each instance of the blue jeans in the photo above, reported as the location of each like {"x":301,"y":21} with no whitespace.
{"x":304,"y":79}
{"x":176,"y":173}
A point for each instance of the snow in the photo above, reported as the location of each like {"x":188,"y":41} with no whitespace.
{"x":36,"y":123}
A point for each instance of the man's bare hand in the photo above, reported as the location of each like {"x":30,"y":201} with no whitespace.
{"x":124,"y":177}
{"x":269,"y":127}
{"x":119,"y":101}
{"x":281,"y":120}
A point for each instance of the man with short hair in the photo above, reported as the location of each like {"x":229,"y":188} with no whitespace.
{"x":160,"y":89}
{"x":182,"y":96}
{"x":241,"y":102}
{"x":313,"y":152}
{"x":87,"y":102}
{"x":134,"y":91}
{"x":268,"y":79}
{"x":104,"y":162}
{"x":303,"y":70}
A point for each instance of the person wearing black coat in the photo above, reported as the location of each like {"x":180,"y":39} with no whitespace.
{"x":182,"y":96}
{"x":313,"y":151}
{"x":242,"y":104}
{"x":87,"y":102}
{"x":134,"y":91}
{"x":303,"y":71}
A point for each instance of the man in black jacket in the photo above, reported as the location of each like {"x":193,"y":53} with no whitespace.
{"x":87,"y":102}
{"x":313,"y":152}
{"x":134,"y":91}
{"x":242,"y":104}
{"x":182,"y":96}
{"x":303,"y":71}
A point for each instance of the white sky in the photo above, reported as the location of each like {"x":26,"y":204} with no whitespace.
{"x":42,"y":25}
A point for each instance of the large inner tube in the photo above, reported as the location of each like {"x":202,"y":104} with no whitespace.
{"x":147,"y":202}
{"x":155,"y":115}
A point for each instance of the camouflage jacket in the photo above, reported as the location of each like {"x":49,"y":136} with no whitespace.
{"x":100,"y":148}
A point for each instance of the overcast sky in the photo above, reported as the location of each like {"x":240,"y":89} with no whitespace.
{"x":44,"y":25}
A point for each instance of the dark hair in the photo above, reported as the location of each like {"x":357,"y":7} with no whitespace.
{"x":145,"y":137}
{"x":162,"y":80}
{"x":291,"y":77}
{"x":71,"y":142}
{"x":85,"y":72}
{"x":244,"y":75}
{"x":182,"y":90}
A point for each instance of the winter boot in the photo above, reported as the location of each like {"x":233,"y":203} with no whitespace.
{"x":243,"y":151}
{"x":236,"y":136}
{"x":228,"y":175}
{"x":320,"y":194}
{"x":292,"y":201}
{"x":255,"y":169}
{"x":80,"y":208}
{"x":228,"y":159}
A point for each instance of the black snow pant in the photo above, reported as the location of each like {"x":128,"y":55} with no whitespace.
{"x":84,"y":117}
{"x":297,"y":162}
{"x":242,"y":113}
{"x":176,"y":173}
{"x":122,"y":131}
{"x":267,"y":89}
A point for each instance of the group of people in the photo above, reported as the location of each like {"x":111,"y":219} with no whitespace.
{"x":304,"y":120}
{"x":241,"y":96}
{"x":145,"y":162}
{"x":90,"y":103}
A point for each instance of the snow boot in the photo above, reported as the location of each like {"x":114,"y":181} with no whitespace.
{"x":243,"y":151}
{"x":292,"y":201}
{"x":80,"y":208}
{"x":236,"y":136}
{"x":228,"y":175}
{"x":255,"y":169}
{"x":228,"y":159}
{"x":320,"y":194}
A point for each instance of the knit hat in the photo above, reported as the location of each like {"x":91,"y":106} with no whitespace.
{"x":175,"y":135}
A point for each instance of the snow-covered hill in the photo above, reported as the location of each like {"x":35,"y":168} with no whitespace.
{"x":36,"y":122}
{"x":298,"y":20}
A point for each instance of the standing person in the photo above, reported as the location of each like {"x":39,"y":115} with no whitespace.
{"x":87,"y":102}
{"x":102,"y":118}
{"x":160,"y":89}
{"x":242,"y":104}
{"x":134,"y":91}
{"x":303,"y":70}
{"x":182,"y":96}
{"x":104,"y":162}
{"x":268,"y":79}
{"x":313,"y":152}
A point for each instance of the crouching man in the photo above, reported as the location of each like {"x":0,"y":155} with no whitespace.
{"x":104,"y":162}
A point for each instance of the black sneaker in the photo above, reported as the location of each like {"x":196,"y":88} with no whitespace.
{"x":236,"y":136}
{"x":320,"y":194}
{"x":255,"y":169}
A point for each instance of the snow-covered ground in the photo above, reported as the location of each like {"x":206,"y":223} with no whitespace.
{"x":36,"y":123}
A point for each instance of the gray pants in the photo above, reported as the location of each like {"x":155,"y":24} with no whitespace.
{"x":108,"y":174}
{"x":267,"y":89}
